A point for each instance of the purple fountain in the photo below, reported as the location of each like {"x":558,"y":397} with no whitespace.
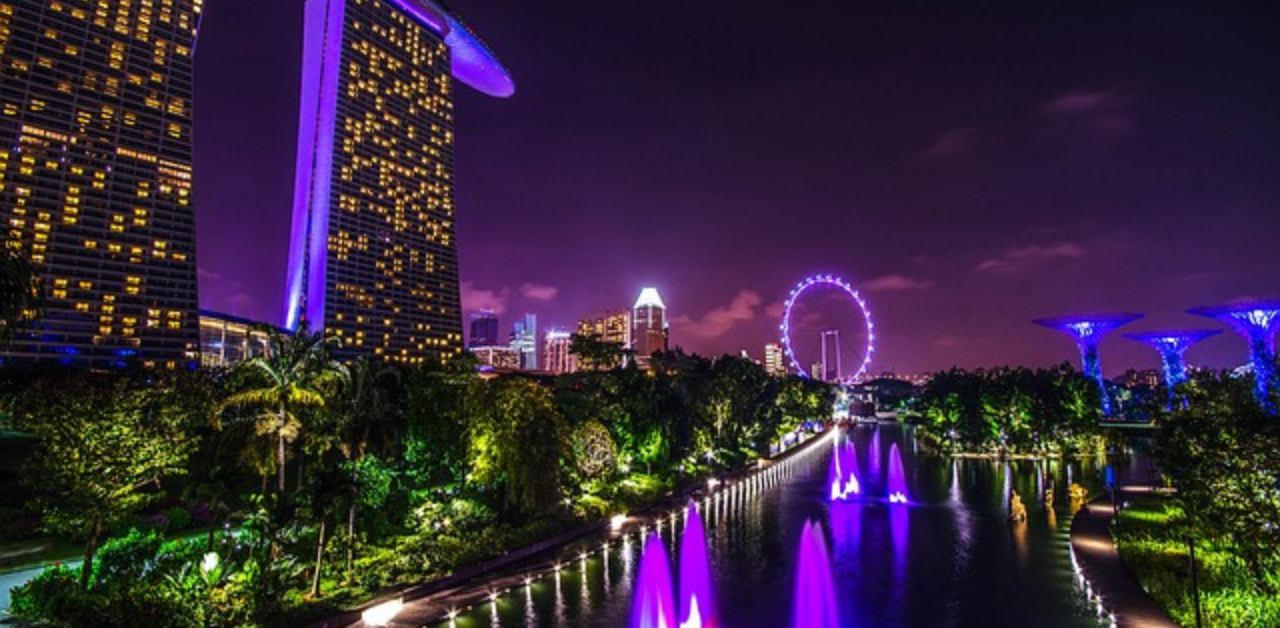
{"x":897,"y":477}
{"x":697,"y":601}
{"x":873,"y":456}
{"x":654,"y":605}
{"x":843,"y":476}
{"x":815,"y":601}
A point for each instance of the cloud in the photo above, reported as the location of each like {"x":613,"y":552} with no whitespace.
{"x":775,"y":310}
{"x":1102,"y":113}
{"x":539,"y":292}
{"x":953,"y":142}
{"x":474,"y":298}
{"x":715,"y":323}
{"x":896,"y":282}
{"x":1019,"y":258}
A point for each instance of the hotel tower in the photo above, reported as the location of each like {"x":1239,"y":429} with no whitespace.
{"x":95,"y":176}
{"x":373,"y":258}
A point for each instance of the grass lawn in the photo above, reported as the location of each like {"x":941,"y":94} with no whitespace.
{"x":1151,"y":542}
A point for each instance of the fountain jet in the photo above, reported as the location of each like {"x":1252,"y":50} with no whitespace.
{"x":815,"y":600}
{"x":697,"y":602}
{"x":897,"y":477}
{"x":844,"y":472}
{"x":653,"y":605}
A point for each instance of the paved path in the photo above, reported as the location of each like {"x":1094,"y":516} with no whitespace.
{"x":1118,"y":591}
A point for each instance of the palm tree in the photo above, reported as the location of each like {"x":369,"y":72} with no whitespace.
{"x":20,"y":295}
{"x":296,"y":375}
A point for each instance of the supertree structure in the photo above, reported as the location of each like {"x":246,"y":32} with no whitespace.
{"x":1257,"y":321}
{"x":1087,"y":331}
{"x":1172,"y":345}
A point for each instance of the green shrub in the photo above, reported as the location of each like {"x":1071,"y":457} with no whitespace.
{"x":179,"y":518}
{"x":126,"y":558}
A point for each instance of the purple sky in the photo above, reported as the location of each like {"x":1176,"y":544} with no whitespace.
{"x":969,"y":169}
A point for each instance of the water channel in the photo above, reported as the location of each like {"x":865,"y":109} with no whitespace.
{"x":948,"y":559}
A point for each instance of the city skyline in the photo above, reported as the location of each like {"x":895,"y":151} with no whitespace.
{"x":1059,"y":161}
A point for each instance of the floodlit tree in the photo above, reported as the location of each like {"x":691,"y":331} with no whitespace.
{"x":294,"y":376}
{"x":517,"y":438}
{"x":101,"y":445}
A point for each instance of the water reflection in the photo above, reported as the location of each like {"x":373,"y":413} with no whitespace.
{"x":950,"y":558}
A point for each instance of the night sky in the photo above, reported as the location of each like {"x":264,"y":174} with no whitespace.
{"x":969,"y":168}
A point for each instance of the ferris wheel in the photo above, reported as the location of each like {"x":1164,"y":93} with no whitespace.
{"x":825,"y":323}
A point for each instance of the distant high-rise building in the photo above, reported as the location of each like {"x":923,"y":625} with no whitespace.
{"x":775,"y":360}
{"x":614,"y":327}
{"x":555,"y":352}
{"x":649,"y":325}
{"x":484,"y":329}
{"x":95,"y":176}
{"x":373,"y":255}
{"x":524,"y":338}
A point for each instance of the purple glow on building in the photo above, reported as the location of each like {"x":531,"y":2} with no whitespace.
{"x":1257,"y":321}
{"x":321,"y":64}
{"x":815,"y":601}
{"x":1088,"y":331}
{"x":1172,"y":346}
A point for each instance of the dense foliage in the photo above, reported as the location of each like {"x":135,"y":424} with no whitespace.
{"x":1221,"y":451}
{"x":1009,"y":411}
{"x":320,"y":483}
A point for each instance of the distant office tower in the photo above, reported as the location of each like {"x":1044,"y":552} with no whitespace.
{"x":226,"y":340}
{"x":649,"y":325}
{"x":373,"y":257}
{"x":484,"y":329}
{"x":524,"y":339}
{"x":774,"y":360}
{"x":555,"y":352}
{"x":95,"y":176}
{"x":614,"y":327}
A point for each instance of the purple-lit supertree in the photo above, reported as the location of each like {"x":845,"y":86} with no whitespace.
{"x":1257,"y":321}
{"x":1087,"y":331}
{"x":1172,"y":345}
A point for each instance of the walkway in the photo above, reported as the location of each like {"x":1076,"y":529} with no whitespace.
{"x":1118,"y":592}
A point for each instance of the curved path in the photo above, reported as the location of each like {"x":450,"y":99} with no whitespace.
{"x":1108,"y":581}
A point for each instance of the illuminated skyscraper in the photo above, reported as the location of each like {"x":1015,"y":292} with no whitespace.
{"x":614,"y":327}
{"x":555,"y":352}
{"x":524,"y":338}
{"x":95,"y":175}
{"x":775,"y":361}
{"x":373,"y":258}
{"x":649,"y":325}
{"x":484,"y":329}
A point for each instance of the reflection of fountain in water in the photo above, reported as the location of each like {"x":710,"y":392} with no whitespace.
{"x":897,"y":477}
{"x":815,"y":599}
{"x":843,"y":476}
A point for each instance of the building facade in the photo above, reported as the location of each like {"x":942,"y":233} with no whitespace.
{"x":373,"y":258}
{"x":649,"y":326}
{"x":524,"y":339}
{"x":613,"y":327}
{"x":226,"y":340}
{"x":95,"y":176}
{"x":507,"y":358}
{"x":484,"y":329}
{"x":775,"y":360}
{"x":556,"y":357}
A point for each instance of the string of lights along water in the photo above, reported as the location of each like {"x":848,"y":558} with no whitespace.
{"x":923,"y":541}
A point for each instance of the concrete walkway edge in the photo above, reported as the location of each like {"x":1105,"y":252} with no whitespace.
{"x":1110,"y":586}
